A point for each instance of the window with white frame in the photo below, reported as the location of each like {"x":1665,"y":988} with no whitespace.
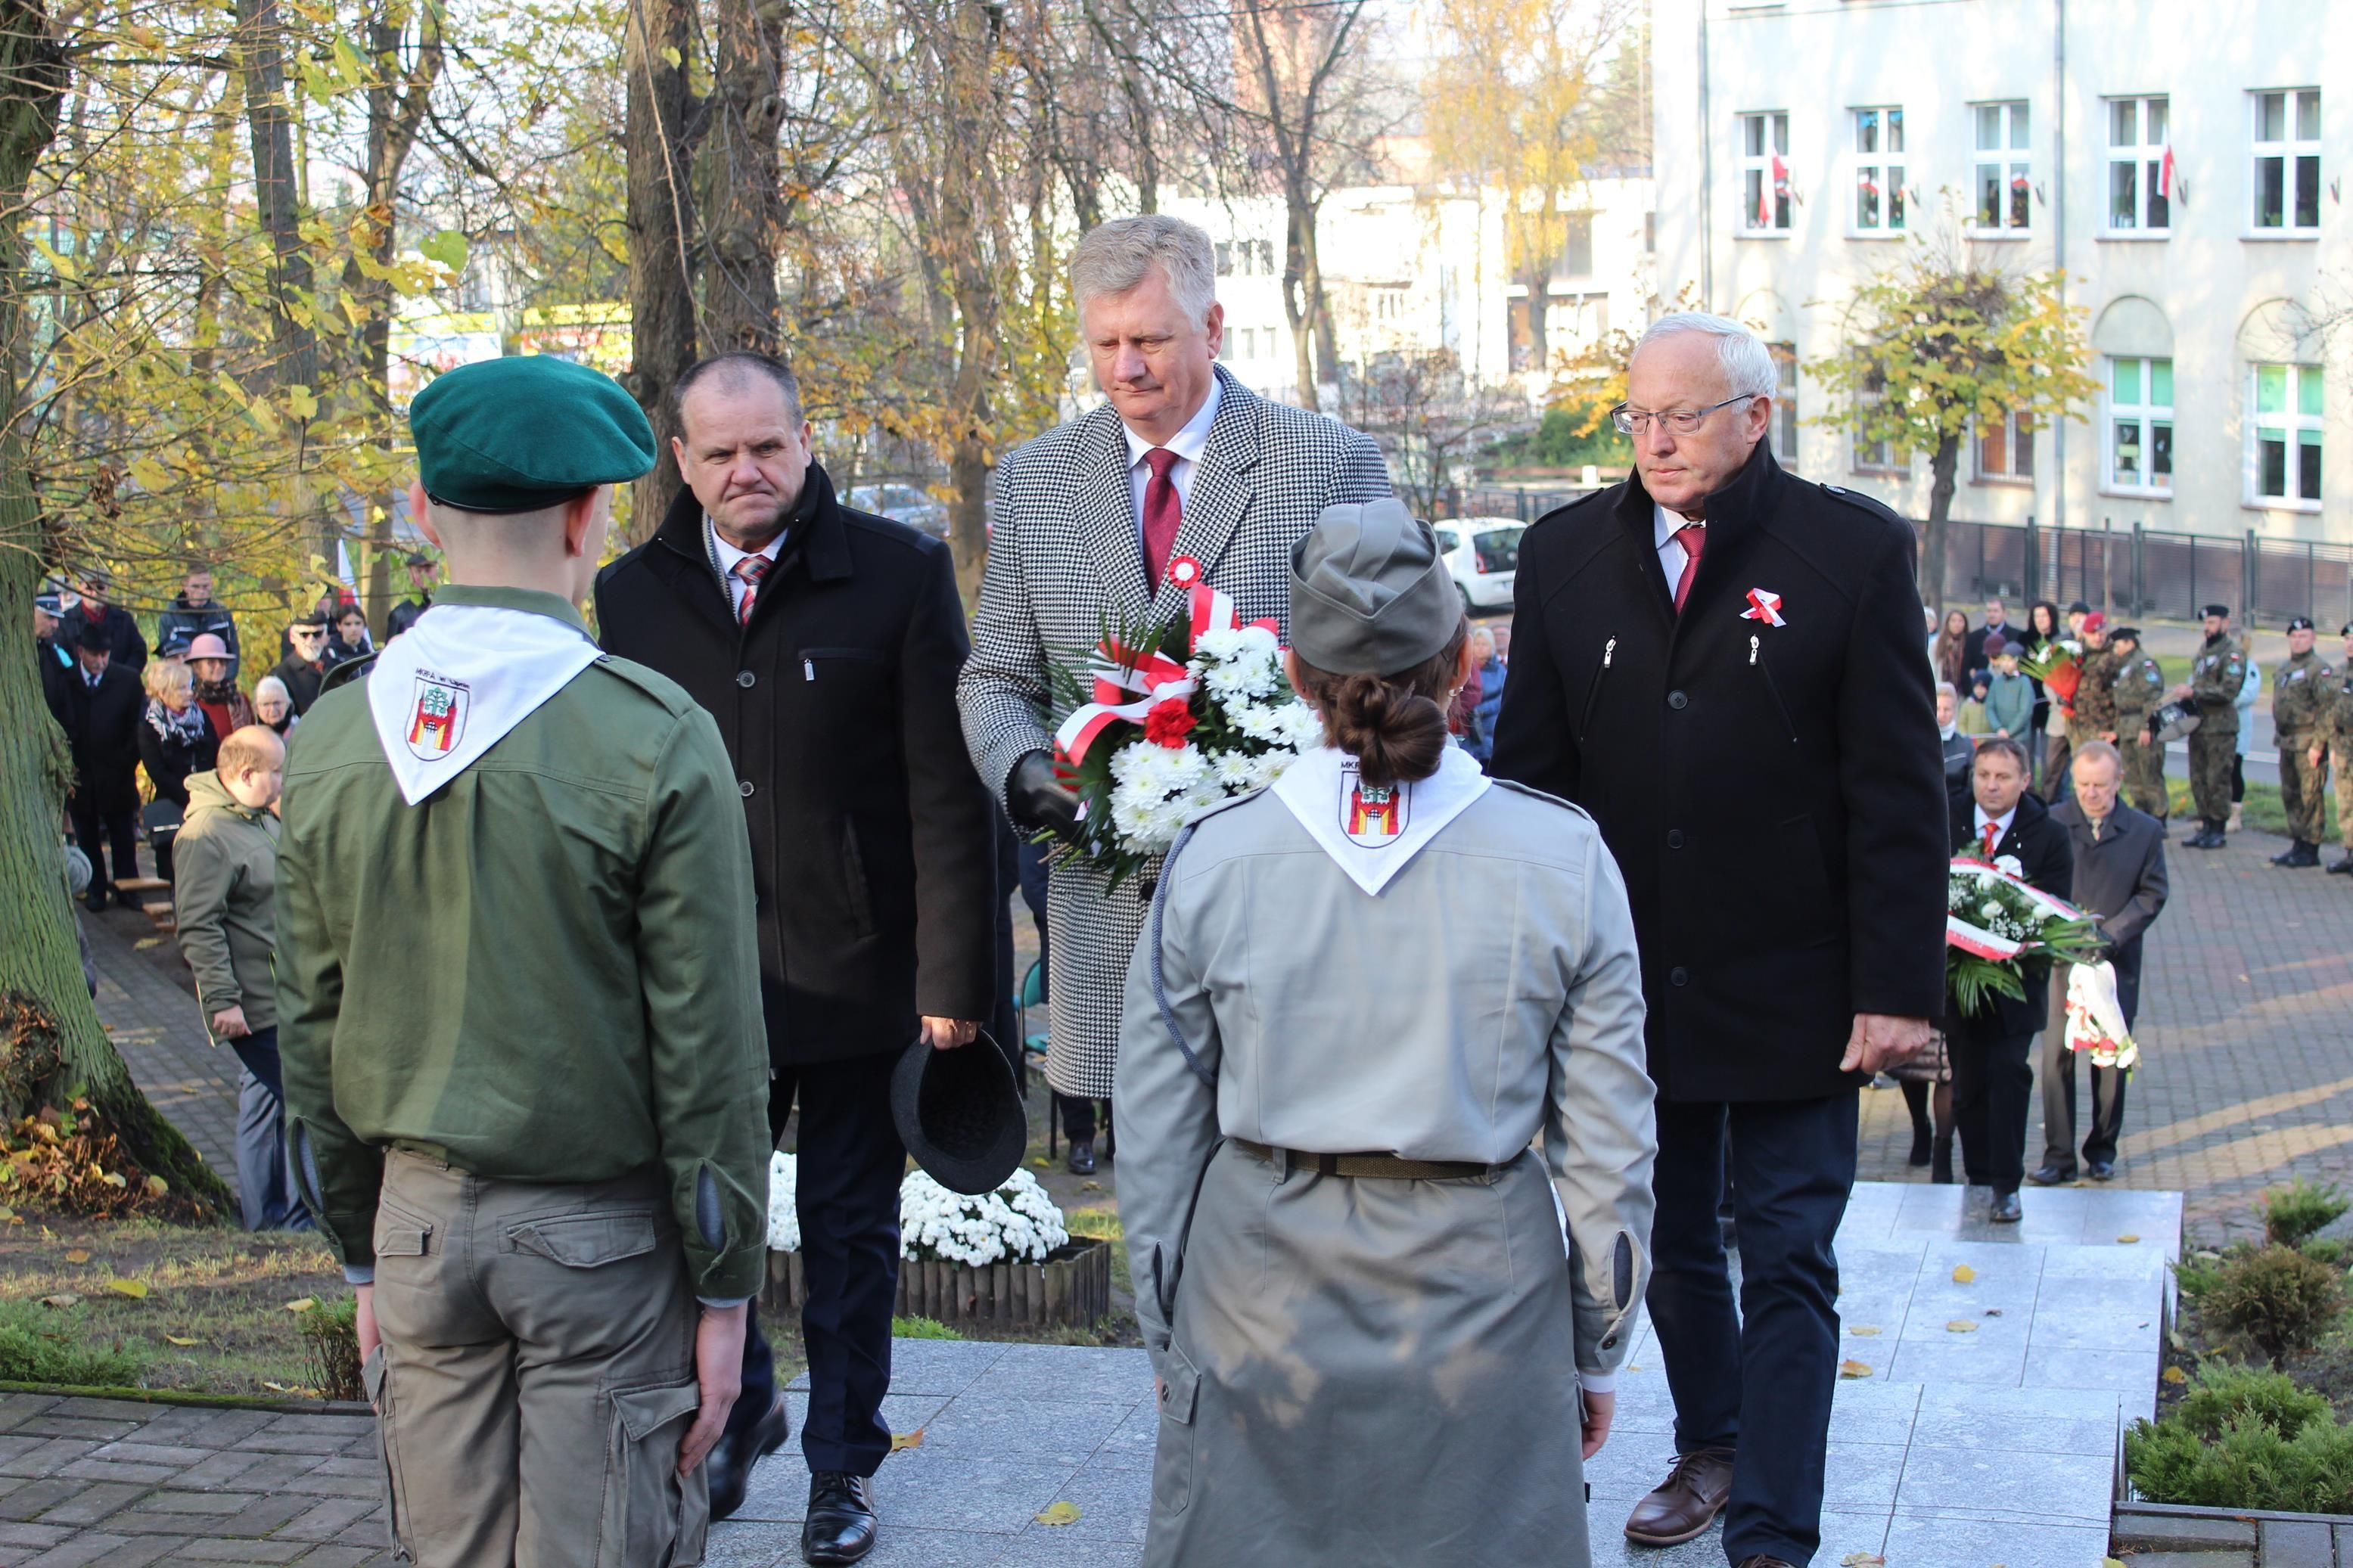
{"x":2286,"y":190}
{"x":2005,"y":167}
{"x":2006,"y":448}
{"x":1765,"y":172}
{"x":2283,"y":438}
{"x":1879,"y":171}
{"x":2141,"y":165}
{"x":1785,"y":404}
{"x":2140,"y":426}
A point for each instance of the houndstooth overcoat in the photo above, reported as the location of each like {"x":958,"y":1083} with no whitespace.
{"x":1065,"y":562}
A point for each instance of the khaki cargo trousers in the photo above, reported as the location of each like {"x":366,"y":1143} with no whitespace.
{"x":537,"y":1373}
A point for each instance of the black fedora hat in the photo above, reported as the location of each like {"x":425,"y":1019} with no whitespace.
{"x":960,"y":1115}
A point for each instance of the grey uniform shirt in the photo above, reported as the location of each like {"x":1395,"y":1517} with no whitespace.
{"x":1489,"y":992}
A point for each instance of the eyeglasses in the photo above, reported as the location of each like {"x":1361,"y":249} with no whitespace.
{"x":1682,"y":421}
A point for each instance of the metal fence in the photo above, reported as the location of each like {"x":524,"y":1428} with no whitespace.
{"x":2140,"y":571}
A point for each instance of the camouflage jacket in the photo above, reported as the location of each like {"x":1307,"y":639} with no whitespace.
{"x":2095,"y":698}
{"x":2216,"y":675}
{"x":2137,"y":691}
{"x":2340,"y":724}
{"x":2303,"y":690}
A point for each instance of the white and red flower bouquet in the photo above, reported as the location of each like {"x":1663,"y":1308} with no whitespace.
{"x":1997,"y":925}
{"x":2059,"y":665}
{"x":1162,"y":724}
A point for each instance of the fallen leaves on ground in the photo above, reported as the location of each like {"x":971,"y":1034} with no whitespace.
{"x":901,"y":1441}
{"x":1960,"y":1326}
{"x":62,"y":1299}
{"x":1061,"y":1513}
{"x":1861,"y":1560}
{"x":1853,"y":1368}
{"x":2127,"y":1239}
{"x":1963,"y":1274}
{"x":78,"y":1255}
{"x":182,"y":1344}
{"x":300,"y":1304}
{"x":1865,"y":1331}
{"x":2174,"y":1376}
{"x":134,"y":1288}
{"x":1090,"y":1186}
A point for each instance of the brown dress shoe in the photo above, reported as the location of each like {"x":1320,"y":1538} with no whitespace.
{"x":1683,"y":1505}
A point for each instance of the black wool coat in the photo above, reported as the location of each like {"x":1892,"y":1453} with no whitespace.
{"x":2046,"y":860}
{"x":102,"y":723}
{"x":873,"y":849}
{"x":1772,"y":792}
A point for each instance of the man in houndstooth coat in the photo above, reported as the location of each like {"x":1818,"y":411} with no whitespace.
{"x":1183,"y":461}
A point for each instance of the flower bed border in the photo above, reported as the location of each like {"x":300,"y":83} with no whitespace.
{"x":1070,"y":1288}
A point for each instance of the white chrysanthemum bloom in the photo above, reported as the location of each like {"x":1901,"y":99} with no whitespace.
{"x":1991,"y":908}
{"x":1219,"y":644}
{"x":1257,"y":640}
{"x":1303,"y":728}
{"x":784,"y":1217}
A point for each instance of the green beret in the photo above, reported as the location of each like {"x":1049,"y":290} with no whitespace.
{"x":525,"y":432}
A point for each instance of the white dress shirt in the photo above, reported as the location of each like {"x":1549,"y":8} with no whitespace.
{"x":1187,"y":444}
{"x":2001,"y":823}
{"x":723,"y":557}
{"x":1672,"y":553}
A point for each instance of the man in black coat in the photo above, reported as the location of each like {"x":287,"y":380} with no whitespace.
{"x":124,"y":646}
{"x":100,"y":704}
{"x":2120,"y":878}
{"x":1991,"y":1049}
{"x":1721,"y":663}
{"x":827,"y":644}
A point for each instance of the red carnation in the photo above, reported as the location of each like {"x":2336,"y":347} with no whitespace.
{"x":1166,"y":723}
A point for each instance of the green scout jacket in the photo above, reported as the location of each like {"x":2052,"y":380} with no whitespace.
{"x":2216,"y":675}
{"x":545,"y":970}
{"x":224,"y":882}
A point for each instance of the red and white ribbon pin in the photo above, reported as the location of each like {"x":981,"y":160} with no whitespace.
{"x":1764,"y":607}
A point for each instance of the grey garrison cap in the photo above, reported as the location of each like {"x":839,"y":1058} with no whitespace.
{"x":1370,"y":592}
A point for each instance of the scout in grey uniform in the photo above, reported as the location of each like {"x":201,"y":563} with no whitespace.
{"x":2303,"y":690}
{"x":1359,"y":997}
{"x":519,"y":1002}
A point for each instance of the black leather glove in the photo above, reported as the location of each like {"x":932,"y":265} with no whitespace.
{"x":1038,"y":798}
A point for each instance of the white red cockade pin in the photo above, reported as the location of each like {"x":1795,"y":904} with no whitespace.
{"x":1183,"y":571}
{"x":1764,"y":607}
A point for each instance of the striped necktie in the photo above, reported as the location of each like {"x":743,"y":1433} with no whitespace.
{"x":751,"y":569}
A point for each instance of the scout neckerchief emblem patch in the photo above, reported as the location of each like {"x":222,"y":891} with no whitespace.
{"x":438,"y":718}
{"x":1370,"y":814}
{"x":1370,"y":833}
{"x":1764,"y":607}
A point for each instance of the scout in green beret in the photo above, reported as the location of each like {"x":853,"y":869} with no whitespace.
{"x":521,"y":1014}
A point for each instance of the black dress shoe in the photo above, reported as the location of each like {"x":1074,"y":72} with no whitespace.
{"x":733,"y":1455}
{"x":2342,"y":865}
{"x":1081,"y":1161}
{"x":2005,"y":1210}
{"x":841,"y":1523}
{"x":2103,"y":1170}
{"x":2051,"y":1175}
{"x":1921,"y":1142}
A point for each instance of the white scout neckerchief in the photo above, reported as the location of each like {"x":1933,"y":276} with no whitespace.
{"x":450,"y":687}
{"x":1372,"y":833}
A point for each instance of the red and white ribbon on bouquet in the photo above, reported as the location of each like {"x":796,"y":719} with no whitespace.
{"x":1975,"y":939}
{"x":1155,"y":678}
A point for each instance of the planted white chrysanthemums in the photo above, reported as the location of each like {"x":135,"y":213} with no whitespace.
{"x":1018,"y":1222}
{"x":784,"y":1219}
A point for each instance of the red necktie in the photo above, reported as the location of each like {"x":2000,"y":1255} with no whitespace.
{"x":1692,"y":537}
{"x":1162,"y":513}
{"x":752,"y":568}
{"x":1992,"y":837}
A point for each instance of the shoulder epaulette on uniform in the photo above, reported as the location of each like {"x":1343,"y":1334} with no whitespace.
{"x":1860,"y":502}
{"x":1533,"y":793}
{"x":346,"y":672}
{"x":1228,"y":803}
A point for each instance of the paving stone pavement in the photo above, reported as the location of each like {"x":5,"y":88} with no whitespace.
{"x":2246,"y":1035}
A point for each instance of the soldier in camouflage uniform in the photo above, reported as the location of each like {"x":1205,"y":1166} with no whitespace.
{"x":2215,"y":677}
{"x":2094,"y":716}
{"x":2333,"y":743}
{"x":2136,"y":694}
{"x":2302,"y":696}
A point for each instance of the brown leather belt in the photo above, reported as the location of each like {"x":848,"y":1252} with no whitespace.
{"x":1382,"y":1166}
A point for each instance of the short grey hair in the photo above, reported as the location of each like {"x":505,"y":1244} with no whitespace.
{"x":1946,"y":688}
{"x":1747,"y":364}
{"x":1114,"y":257}
{"x":2098,"y":751}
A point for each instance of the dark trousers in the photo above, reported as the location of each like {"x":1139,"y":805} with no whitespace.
{"x":1769,"y":1370}
{"x":265,"y":1181}
{"x":2107,"y":1083}
{"x":1992,"y":1083}
{"x":849,"y":1163}
{"x":119,"y":831}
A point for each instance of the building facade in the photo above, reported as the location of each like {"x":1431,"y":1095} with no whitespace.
{"x":2184,"y":167}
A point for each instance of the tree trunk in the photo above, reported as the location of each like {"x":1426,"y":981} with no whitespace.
{"x":51,"y":1044}
{"x":1303,"y":295}
{"x":659,"y":143}
{"x":1943,"y":464}
{"x":743,"y":200}
{"x":970,"y":105}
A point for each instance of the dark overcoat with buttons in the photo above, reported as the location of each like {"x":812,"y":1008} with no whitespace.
{"x":872,"y":840}
{"x":1768,"y":778}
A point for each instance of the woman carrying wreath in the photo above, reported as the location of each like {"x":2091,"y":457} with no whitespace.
{"x":1360,"y":995}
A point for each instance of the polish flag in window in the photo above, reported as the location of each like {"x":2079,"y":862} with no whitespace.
{"x":2165,"y":173}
